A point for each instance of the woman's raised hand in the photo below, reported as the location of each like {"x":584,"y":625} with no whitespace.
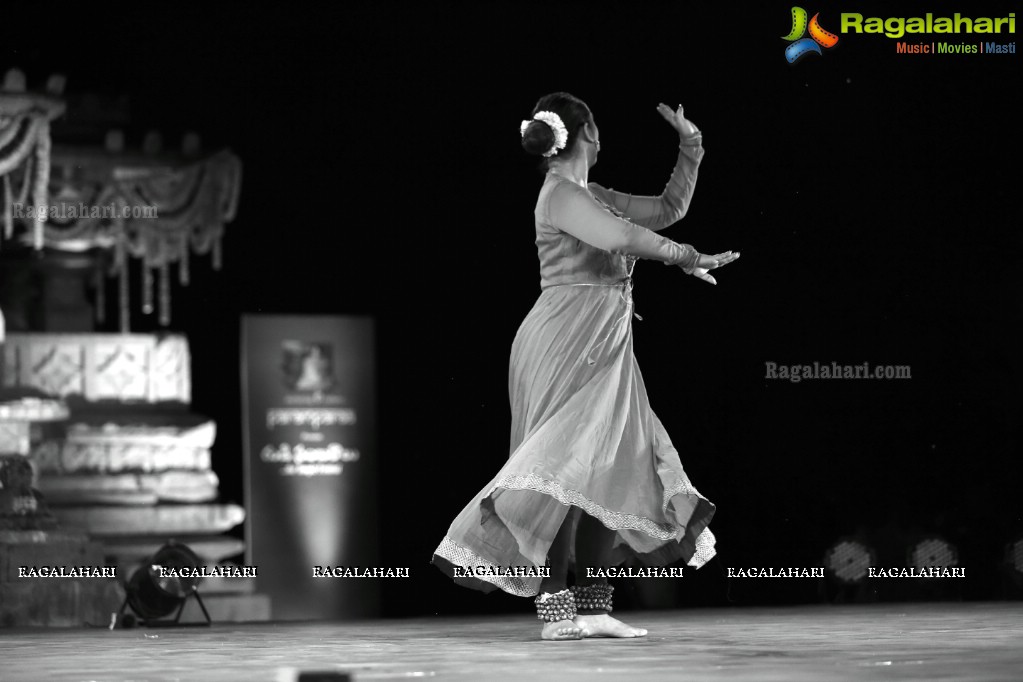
{"x":677,"y":120}
{"x":706,"y":263}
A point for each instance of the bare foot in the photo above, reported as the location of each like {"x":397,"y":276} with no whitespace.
{"x":603,"y":625}
{"x":562,"y":629}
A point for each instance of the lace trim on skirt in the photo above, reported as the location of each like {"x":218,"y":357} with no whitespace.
{"x":462,"y":556}
{"x":704,"y":546}
{"x":704,"y":551}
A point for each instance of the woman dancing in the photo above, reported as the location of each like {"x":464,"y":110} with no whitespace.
{"x":593,"y":479}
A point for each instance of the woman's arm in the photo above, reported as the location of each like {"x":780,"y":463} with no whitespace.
{"x":571,"y":208}
{"x":657,"y":213}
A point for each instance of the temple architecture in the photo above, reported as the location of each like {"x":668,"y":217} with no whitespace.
{"x":101,"y":459}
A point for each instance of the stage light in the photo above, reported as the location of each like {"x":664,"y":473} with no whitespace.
{"x":933,"y":552}
{"x":163,"y":583}
{"x":848,"y":561}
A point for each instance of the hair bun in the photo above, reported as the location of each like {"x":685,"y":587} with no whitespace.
{"x":537,"y":138}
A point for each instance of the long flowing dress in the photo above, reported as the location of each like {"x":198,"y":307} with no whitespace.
{"x":584,"y":438}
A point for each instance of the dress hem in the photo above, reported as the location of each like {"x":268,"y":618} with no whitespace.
{"x":456,"y":554}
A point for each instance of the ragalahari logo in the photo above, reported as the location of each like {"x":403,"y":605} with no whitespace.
{"x":801,"y":46}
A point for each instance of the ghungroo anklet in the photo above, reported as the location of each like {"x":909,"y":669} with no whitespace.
{"x":551,"y":608}
{"x":590,"y":599}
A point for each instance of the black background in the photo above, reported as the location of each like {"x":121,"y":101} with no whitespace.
{"x":874,"y":198}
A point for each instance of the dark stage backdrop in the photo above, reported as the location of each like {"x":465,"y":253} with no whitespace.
{"x":873,"y":195}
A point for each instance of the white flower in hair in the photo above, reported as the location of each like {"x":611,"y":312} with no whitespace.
{"x":556,"y":124}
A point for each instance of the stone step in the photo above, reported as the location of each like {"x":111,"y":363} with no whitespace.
{"x":53,"y":601}
{"x":45,"y":548}
{"x":92,"y":602}
{"x":169,"y":519}
{"x":59,"y":602}
{"x":120,"y":498}
{"x":132,"y":550}
{"x":25,"y":537}
{"x":129,"y":488}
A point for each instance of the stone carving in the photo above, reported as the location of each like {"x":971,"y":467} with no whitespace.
{"x":126,"y":368}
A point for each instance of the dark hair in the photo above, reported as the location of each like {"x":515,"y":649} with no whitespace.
{"x":539,"y":137}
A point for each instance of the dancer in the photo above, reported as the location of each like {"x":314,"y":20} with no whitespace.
{"x":593,"y":479}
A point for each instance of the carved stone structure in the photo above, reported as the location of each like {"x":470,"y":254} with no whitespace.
{"x":93,"y":369}
{"x":130,"y":468}
{"x":32,"y":542}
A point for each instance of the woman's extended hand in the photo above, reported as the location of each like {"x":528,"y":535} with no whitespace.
{"x":706,"y":263}
{"x":677,"y":120}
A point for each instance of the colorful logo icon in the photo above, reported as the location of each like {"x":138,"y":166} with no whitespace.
{"x":801,"y":46}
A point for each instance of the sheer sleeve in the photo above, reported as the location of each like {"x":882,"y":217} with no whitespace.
{"x":571,"y":209}
{"x":657,"y":213}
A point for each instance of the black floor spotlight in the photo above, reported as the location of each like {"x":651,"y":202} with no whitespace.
{"x":163,"y":583}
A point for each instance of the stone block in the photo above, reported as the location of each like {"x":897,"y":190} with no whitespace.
{"x":161,"y":520}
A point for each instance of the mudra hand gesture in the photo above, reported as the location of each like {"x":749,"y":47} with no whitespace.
{"x":706,"y":263}
{"x":677,"y":120}
{"x":685,"y":128}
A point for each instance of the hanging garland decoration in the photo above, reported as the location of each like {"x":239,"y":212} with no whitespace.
{"x":123,"y":290}
{"x":157,"y":210}
{"x":25,"y":150}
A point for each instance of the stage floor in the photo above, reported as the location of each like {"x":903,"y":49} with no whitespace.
{"x":959,"y":641}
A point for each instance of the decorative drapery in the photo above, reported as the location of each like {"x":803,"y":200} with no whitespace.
{"x":25,"y":150}
{"x":159,"y":210}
